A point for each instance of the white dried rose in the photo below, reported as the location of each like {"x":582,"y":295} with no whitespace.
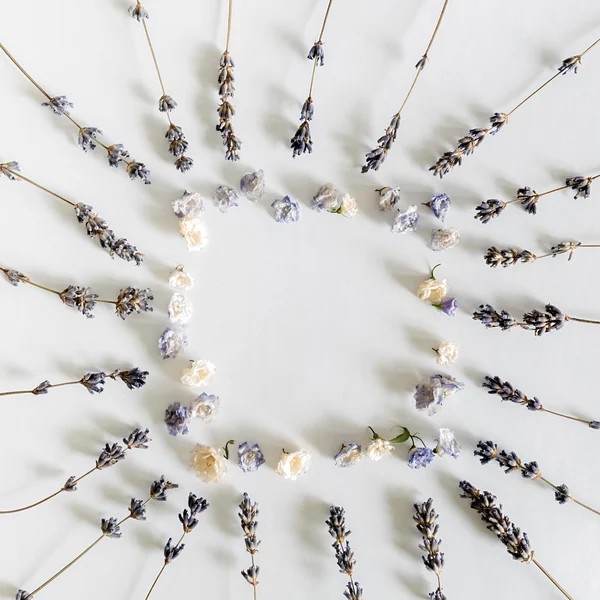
{"x":292,"y":465}
{"x":447,"y":353}
{"x":208,"y":463}
{"x":205,"y":407}
{"x":198,"y":374}
{"x":194,"y":232}
{"x":349,"y":206}
{"x":433,"y":291}
{"x":180,"y":308}
{"x":379,"y":448}
{"x":180,"y":280}
{"x":444,"y":239}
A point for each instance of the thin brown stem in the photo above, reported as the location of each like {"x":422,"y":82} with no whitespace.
{"x":549,"y":81}
{"x":552,"y":191}
{"x":16,"y":63}
{"x":312,"y":79}
{"x":37,"y":185}
{"x":593,"y":322}
{"x":425,"y":56}
{"x":229,"y":18}
{"x":162,"y":86}
{"x":79,"y":556}
{"x":325,"y":21}
{"x":254,"y":584}
{"x":17,"y":510}
{"x":53,"y":385}
{"x":571,"y":497}
{"x":437,"y":26}
{"x":565,"y":593}
{"x":162,"y":569}
{"x":551,"y":412}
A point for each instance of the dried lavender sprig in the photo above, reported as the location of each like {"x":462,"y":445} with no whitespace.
{"x":529,"y":198}
{"x":248,"y":513}
{"x":110,"y":455}
{"x":302,"y":140}
{"x":343,"y":553}
{"x":467,"y":144}
{"x":178,"y":144}
{"x":426,"y":519}
{"x":508,"y":393}
{"x":111,"y":528}
{"x":509,"y":461}
{"x":506,"y":257}
{"x":226,"y":81}
{"x":376,"y":157}
{"x":130,"y":300}
{"x":188,"y":519}
{"x":87,"y":136}
{"x":94,"y":382}
{"x":515,"y":540}
{"x":539,"y":322}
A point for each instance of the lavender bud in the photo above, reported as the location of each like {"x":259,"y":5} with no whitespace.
{"x":41,"y":388}
{"x":137,"y":510}
{"x":133,"y":300}
{"x":110,"y":455}
{"x":171,"y":553}
{"x":87,"y":137}
{"x":317,"y":53}
{"x":94,"y":382}
{"x":80,"y":298}
{"x":159,"y":488}
{"x":486,"y":451}
{"x":110,"y":528}
{"x":138,"y":438}
{"x":166,"y":104}
{"x":59,"y":105}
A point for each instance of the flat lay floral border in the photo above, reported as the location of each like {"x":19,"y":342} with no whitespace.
{"x":210,"y":464}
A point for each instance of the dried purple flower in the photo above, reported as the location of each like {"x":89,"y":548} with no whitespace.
{"x":159,"y":488}
{"x":137,"y":510}
{"x":285,"y":210}
{"x":543,"y":322}
{"x":317,"y":53}
{"x":80,"y":298}
{"x":138,"y":438}
{"x":426,"y":519}
{"x":110,"y":528}
{"x":489,"y":209}
{"x":374,"y":159}
{"x":248,"y":513}
{"x":439,"y":205}
{"x":166,"y":104}
{"x":116,"y":154}
{"x":490,"y":317}
{"x":302,"y":140}
{"x":87,"y":138}
{"x":138,"y":170}
{"x":177,"y":419}
{"x":572,"y":63}
{"x":138,"y":12}
{"x":581,"y":185}
{"x":59,"y":105}
{"x":171,"y":342}
{"x":41,"y":388}
{"x":406,"y":221}
{"x":94,"y":382}
{"x":110,"y":455}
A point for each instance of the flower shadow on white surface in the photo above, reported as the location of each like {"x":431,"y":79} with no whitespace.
{"x":309,"y":529}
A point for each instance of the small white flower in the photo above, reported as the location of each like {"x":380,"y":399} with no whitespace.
{"x":208,"y":463}
{"x":294,"y":464}
{"x":180,"y":280}
{"x":447,"y":444}
{"x":205,"y":407}
{"x":433,"y":291}
{"x":180,"y":308}
{"x":198,"y":374}
{"x":194,"y":232}
{"x":447,"y":353}
{"x":349,"y":206}
{"x":190,"y":204}
{"x":379,"y":448}
{"x":444,"y":239}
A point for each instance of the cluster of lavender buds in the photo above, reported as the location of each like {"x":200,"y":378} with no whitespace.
{"x":552,"y":319}
{"x":94,"y":225}
{"x":508,"y":393}
{"x":130,"y":300}
{"x":248,"y":513}
{"x":188,"y":519}
{"x":110,"y":455}
{"x":515,"y":540}
{"x":87,"y":136}
{"x":93,"y":382}
{"x":467,"y":144}
{"x":110,"y":528}
{"x":375,"y":158}
{"x":225,"y":111}
{"x":529,"y":198}
{"x":492,"y":514}
{"x":178,"y":145}
{"x":343,"y":553}
{"x":426,"y":519}
{"x":487,"y":451}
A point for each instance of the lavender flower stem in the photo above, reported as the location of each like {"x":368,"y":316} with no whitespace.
{"x":229,"y":19}
{"x":568,"y":318}
{"x":37,"y":185}
{"x":79,"y":556}
{"x":319,"y":41}
{"x":549,"y":81}
{"x":23,"y":508}
{"x":162,"y":85}
{"x":551,"y":412}
{"x":565,"y":593}
{"x":52,"y":385}
{"x":425,"y":55}
{"x":571,"y":499}
{"x":163,"y":568}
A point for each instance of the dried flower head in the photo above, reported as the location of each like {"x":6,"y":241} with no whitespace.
{"x":285,"y":210}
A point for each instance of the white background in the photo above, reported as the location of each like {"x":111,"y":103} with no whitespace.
{"x":314,"y":327}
